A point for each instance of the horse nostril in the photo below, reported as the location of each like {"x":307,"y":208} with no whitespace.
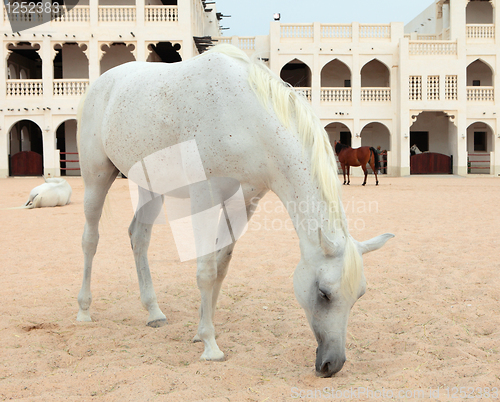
{"x":328,"y":369}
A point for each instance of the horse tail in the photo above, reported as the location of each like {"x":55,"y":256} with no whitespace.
{"x":375,"y":156}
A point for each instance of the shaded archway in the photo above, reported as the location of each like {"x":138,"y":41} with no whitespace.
{"x":165,"y":52}
{"x":116,"y":54}
{"x":339,"y":132}
{"x":434,"y":134}
{"x":67,"y":146}
{"x":336,"y":74}
{"x":24,"y":61}
{"x":480,"y":138}
{"x":70,"y":61}
{"x":25,"y":149}
{"x":378,"y":136}
{"x":479,"y":74}
{"x":375,"y":74}
{"x":296,"y":73}
{"x":479,"y":12}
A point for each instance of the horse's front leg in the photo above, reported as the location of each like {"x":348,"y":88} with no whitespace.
{"x":206,"y":277}
{"x":348,"y":167}
{"x":140,"y":236}
{"x":343,"y":170}
{"x":223,"y":259}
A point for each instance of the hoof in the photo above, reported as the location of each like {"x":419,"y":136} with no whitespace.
{"x":157,"y":323}
{"x":83,"y":316}
{"x":376,"y":184}
{"x":216,"y":358}
{"x":363,"y":184}
{"x":196,"y":338}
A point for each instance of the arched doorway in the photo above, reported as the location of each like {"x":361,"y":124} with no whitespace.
{"x":68,"y":149}
{"x":377,"y":135}
{"x":339,"y":132}
{"x":479,"y":145}
{"x":434,"y":136}
{"x":25,"y":149}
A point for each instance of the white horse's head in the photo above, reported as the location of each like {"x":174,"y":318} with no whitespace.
{"x":322,"y":289}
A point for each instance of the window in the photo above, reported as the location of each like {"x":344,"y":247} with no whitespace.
{"x":347,"y":83}
{"x":476,"y":83}
{"x":480,"y":141}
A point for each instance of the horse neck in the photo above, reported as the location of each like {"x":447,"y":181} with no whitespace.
{"x":302,"y":197}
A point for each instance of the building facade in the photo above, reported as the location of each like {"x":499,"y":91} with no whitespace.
{"x":431,"y":83}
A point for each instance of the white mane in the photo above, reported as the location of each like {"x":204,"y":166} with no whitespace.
{"x":295,"y":112}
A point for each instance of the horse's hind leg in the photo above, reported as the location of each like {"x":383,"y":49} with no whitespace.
{"x":365,"y":170}
{"x":96,"y":188}
{"x":373,"y":164}
{"x":348,"y":167}
{"x":140,"y":236}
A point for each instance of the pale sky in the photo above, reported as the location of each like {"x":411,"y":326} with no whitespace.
{"x":251,"y":18}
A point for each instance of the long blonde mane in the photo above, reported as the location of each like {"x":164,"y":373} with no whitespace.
{"x":296,"y":114}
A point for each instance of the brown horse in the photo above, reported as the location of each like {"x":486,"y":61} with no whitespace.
{"x":357,"y":157}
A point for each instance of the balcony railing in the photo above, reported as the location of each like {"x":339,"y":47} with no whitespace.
{"x":336,"y":31}
{"x":374,"y":31}
{"x":480,"y":31}
{"x":304,"y":91}
{"x":297,"y":31}
{"x":375,"y":94}
{"x":70,"y":87}
{"x":161,"y":14}
{"x":24,"y":88}
{"x":433,"y":48}
{"x":117,"y":13}
{"x":481,"y":94}
{"x":335,"y":95}
{"x":76,"y":14}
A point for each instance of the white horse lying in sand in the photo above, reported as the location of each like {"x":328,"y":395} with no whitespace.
{"x":54,"y":192}
{"x":247,"y":126}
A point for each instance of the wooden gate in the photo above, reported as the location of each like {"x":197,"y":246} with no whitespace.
{"x":26,"y":163}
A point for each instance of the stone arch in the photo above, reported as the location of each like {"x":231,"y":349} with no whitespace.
{"x":66,"y":142}
{"x":296,"y":73}
{"x":479,"y":12}
{"x":340,"y":132}
{"x":376,"y":134}
{"x":479,"y":73}
{"x":336,"y":74}
{"x":375,"y":74}
{"x":25,"y":148}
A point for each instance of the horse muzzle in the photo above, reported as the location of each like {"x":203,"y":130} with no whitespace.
{"x":329,"y":364}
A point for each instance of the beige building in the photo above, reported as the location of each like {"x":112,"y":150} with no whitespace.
{"x":430,"y":83}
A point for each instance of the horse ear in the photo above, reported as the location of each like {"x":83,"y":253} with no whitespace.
{"x":374,"y":244}
{"x":328,"y":246}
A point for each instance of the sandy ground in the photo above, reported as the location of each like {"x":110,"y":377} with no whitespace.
{"x":429,"y":319}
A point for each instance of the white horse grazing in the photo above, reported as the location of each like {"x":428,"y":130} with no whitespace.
{"x":53,"y":193}
{"x":248,"y":126}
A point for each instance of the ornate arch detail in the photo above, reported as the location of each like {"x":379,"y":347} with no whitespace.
{"x":132,"y":50}
{"x":102,"y":52}
{"x":86,"y":51}
{"x":53,"y":50}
